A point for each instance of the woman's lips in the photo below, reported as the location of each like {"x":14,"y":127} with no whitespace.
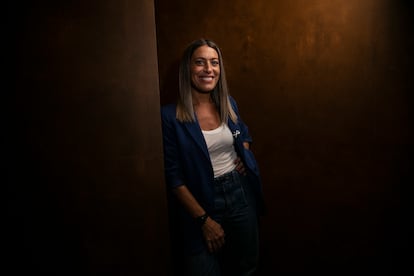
{"x":207,"y":79}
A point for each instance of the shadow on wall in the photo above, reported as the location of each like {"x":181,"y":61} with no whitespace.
{"x":169,"y":84}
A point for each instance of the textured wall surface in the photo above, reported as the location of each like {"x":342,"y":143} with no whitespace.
{"x":87,"y":193}
{"x":326,"y":91}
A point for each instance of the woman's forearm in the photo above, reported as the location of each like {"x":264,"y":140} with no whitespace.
{"x":190,"y":203}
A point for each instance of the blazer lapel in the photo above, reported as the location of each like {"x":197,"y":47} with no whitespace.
{"x":234,"y":128}
{"x":236,"y":132}
{"x":195,"y":132}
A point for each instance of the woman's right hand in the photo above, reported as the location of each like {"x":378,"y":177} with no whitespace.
{"x":213,"y":235}
{"x":240,"y":166}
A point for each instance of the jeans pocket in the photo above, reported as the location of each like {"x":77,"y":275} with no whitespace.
{"x":231,"y":193}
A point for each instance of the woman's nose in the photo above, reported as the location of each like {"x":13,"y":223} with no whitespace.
{"x":208,"y":67}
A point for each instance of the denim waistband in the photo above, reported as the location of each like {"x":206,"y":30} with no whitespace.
{"x":227,"y":176}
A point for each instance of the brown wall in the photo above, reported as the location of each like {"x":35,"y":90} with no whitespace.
{"x":86,"y":181}
{"x":325,"y":88}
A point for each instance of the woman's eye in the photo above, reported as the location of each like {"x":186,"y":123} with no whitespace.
{"x":214,"y":63}
{"x":199,"y":62}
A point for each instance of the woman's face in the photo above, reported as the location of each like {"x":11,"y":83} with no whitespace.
{"x":204,"y":69}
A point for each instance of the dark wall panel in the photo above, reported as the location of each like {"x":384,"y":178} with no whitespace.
{"x":87,"y":189}
{"x":326,"y":89}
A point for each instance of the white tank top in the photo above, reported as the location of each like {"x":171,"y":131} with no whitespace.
{"x":220,"y":147}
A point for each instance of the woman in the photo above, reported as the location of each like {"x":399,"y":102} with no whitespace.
{"x":212,"y":176}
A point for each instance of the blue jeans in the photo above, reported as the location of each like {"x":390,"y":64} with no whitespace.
{"x":236,"y":212}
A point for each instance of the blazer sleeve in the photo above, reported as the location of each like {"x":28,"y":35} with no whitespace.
{"x":173,"y":175}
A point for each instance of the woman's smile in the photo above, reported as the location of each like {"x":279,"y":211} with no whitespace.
{"x":205,"y":69}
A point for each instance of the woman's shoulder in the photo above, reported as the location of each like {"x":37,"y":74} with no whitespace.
{"x":169,"y":114}
{"x":168,"y":109}
{"x":233,"y":103}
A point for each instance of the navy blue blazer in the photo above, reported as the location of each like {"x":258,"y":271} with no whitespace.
{"x":187,"y":161}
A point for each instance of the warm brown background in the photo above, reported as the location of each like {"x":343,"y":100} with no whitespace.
{"x":325,"y":88}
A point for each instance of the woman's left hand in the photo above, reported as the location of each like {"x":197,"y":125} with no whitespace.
{"x":240,"y":166}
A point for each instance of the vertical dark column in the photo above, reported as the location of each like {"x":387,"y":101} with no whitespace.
{"x":86,"y":179}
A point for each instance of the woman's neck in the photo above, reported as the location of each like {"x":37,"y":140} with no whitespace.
{"x":201,"y":98}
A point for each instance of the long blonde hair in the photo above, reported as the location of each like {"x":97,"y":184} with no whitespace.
{"x":219,"y":95}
